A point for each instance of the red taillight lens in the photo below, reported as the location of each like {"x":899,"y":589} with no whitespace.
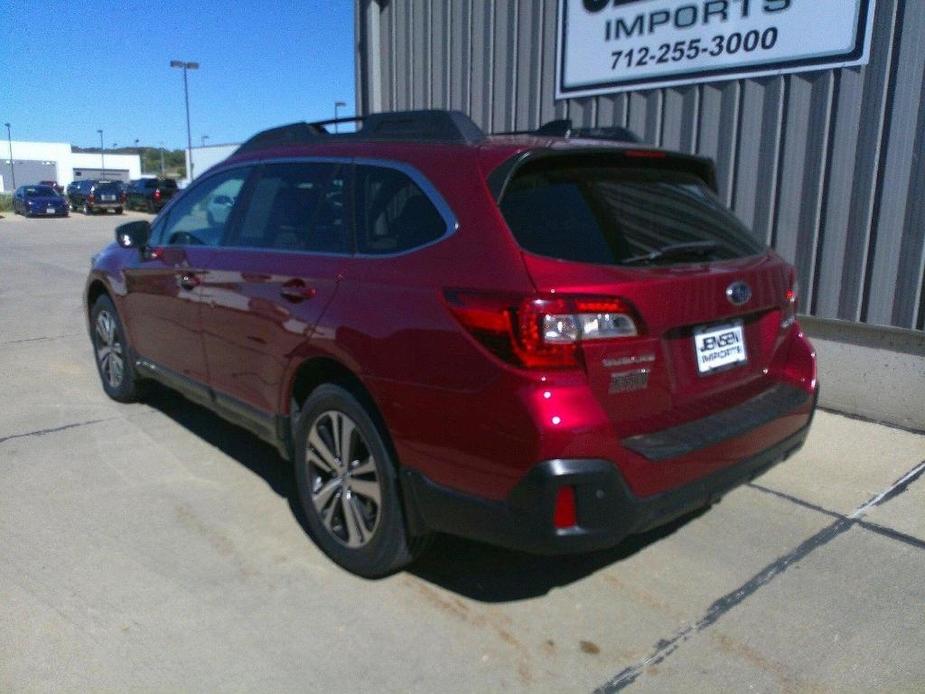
{"x":565,"y":514}
{"x":157,"y":194}
{"x":791,"y":299}
{"x":91,"y":198}
{"x":541,"y":332}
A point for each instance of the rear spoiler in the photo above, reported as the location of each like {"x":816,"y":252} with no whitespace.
{"x":701,"y":167}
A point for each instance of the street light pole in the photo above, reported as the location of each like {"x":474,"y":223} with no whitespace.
{"x":141,"y":163}
{"x":9,"y":139}
{"x":337,"y":105}
{"x":189,"y":138}
{"x":162,"y":160}
{"x":102,"y":155}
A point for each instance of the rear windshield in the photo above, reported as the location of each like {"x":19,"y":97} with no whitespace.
{"x":616,"y":215}
{"x":106,"y":188}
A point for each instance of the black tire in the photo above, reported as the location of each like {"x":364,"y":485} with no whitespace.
{"x":86,"y":209}
{"x":121,"y":384}
{"x":118,"y":210}
{"x":388,"y":547}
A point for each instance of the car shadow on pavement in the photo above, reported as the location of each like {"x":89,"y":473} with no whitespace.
{"x":472,"y":569}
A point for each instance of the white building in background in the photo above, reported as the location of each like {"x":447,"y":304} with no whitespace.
{"x":204,"y":158}
{"x":32,"y":162}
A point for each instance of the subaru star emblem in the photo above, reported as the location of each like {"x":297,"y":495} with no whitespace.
{"x":738,"y":293}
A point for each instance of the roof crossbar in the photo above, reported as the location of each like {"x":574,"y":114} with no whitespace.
{"x":564,"y":128}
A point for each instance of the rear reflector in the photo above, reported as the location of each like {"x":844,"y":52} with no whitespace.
{"x":565,"y":514}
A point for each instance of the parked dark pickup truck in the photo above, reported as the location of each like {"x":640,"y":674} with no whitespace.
{"x":150,"y":194}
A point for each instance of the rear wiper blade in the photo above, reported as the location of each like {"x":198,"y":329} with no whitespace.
{"x":677,"y":250}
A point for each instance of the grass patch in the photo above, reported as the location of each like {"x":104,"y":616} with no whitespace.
{"x":6,"y":202}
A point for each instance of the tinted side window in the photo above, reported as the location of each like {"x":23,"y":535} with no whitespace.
{"x":200,"y":216}
{"x":297,"y":207}
{"x":392,"y":213}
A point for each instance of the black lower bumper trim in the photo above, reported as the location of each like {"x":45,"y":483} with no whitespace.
{"x":607,"y":510}
{"x":708,"y":431}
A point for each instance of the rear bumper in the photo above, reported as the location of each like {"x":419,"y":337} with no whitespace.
{"x":607,"y":509}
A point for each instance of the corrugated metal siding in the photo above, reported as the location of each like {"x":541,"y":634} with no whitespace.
{"x":826,"y":166}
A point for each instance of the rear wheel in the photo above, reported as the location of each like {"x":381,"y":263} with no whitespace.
{"x":348,"y":486}
{"x":118,"y":210}
{"x":86,"y":209}
{"x":113,"y":361}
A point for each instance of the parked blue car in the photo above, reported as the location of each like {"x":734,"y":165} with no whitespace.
{"x":39,"y":201}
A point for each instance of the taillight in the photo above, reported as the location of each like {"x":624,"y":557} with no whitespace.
{"x":157,"y":194}
{"x":791,"y":302}
{"x":91,"y":198}
{"x":541,"y":331}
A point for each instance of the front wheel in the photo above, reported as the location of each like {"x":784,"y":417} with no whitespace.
{"x":348,"y":487}
{"x":113,"y":360}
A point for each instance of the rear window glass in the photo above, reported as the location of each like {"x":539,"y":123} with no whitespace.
{"x":615,"y":215}
{"x":106,"y":188}
{"x":168,"y":183}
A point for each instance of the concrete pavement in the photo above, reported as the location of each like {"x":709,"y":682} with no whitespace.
{"x":153,"y":547}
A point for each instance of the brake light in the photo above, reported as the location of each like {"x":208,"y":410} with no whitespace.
{"x":645,"y":154}
{"x":157,"y":193}
{"x":91,"y":198}
{"x":541,"y":331}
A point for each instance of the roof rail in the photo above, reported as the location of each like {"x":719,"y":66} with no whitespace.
{"x":564,"y":128}
{"x":425,"y":125}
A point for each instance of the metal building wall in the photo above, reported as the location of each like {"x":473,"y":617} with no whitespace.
{"x":825,"y":166}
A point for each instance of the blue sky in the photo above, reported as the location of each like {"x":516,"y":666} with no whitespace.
{"x":69,"y":68}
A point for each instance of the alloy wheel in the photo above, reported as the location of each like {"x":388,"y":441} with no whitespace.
{"x":345,"y":485}
{"x":109,"y":353}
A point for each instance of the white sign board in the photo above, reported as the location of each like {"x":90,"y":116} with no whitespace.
{"x":618,"y":45}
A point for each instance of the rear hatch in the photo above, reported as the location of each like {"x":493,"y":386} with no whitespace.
{"x":106,"y":193}
{"x":706,"y":298}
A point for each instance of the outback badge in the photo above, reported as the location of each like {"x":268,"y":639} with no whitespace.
{"x":738,"y":293}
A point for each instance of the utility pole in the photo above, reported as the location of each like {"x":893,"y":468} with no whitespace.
{"x":162,"y":160}
{"x":9,"y":139}
{"x":189,"y":138}
{"x":102,"y":155}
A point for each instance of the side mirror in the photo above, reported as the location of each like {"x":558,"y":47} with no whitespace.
{"x":133,"y":234}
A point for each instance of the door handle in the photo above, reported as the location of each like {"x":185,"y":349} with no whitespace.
{"x":189,"y":280}
{"x":296,"y":290}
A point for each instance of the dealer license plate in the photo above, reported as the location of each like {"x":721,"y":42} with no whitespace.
{"x":719,"y":346}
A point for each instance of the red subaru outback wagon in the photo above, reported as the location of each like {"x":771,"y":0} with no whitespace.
{"x":542,"y":342}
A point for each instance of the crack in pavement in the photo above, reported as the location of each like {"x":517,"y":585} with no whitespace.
{"x":43,"y":432}
{"x":665,"y":647}
{"x":39,"y":339}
